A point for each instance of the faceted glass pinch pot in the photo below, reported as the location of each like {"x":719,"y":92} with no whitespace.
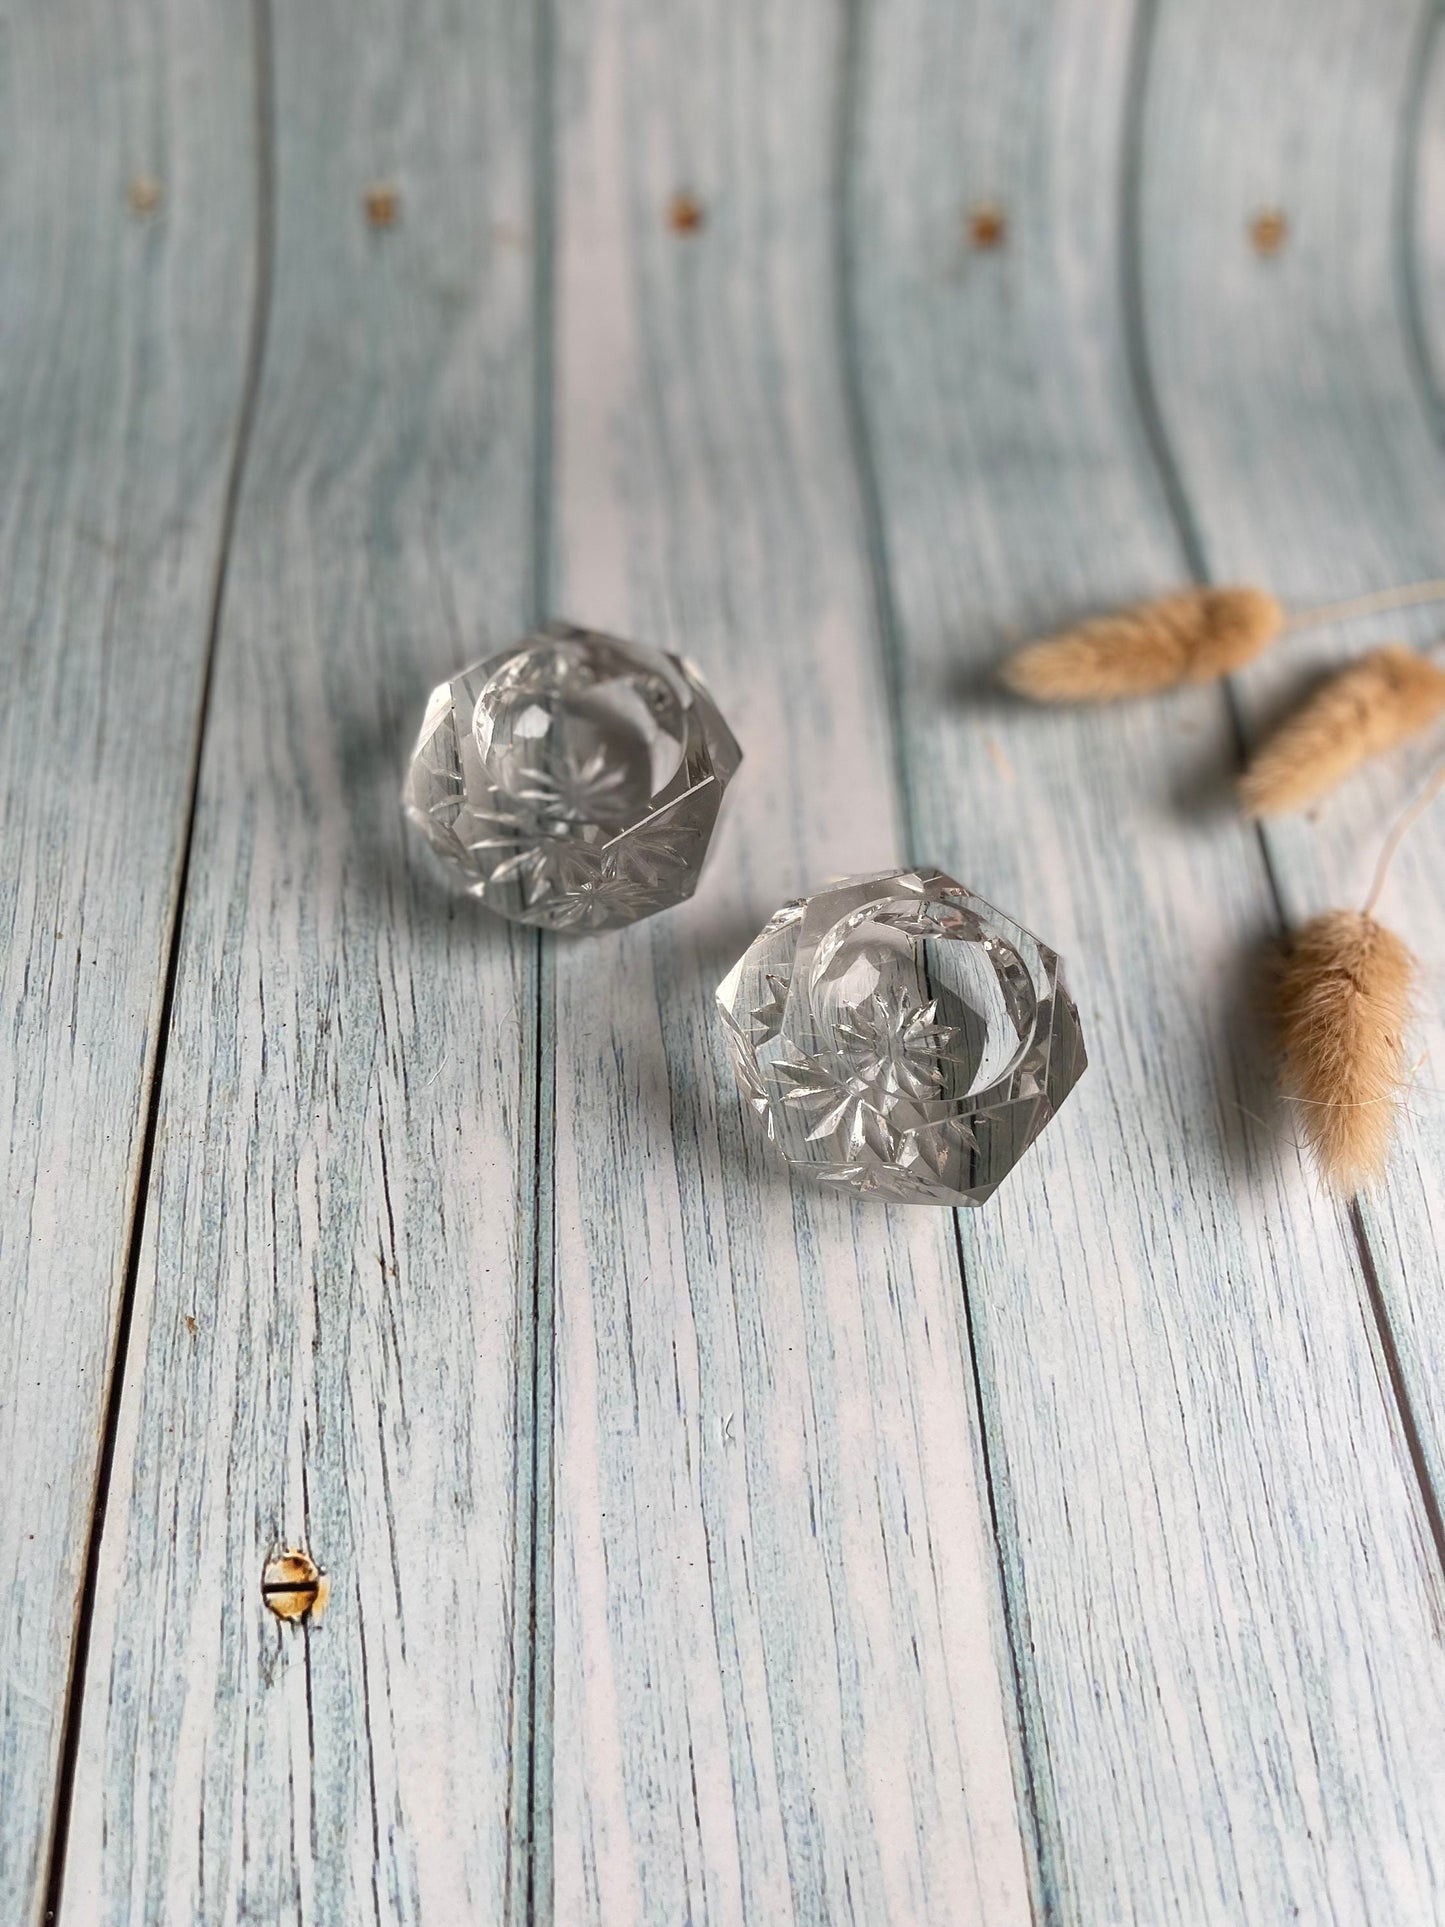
{"x":897,"y":1036}
{"x":572,"y":781}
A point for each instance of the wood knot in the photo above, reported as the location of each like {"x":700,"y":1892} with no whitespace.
{"x":685,"y":213}
{"x":293,"y":1585}
{"x":382,"y":204}
{"x":1269,"y":230}
{"x":987,"y":225}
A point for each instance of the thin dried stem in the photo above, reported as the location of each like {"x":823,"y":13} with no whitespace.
{"x":1407,"y":596}
{"x":1404,"y":823}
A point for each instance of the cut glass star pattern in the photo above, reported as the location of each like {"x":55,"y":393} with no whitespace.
{"x":897,"y":1036}
{"x":572,"y":781}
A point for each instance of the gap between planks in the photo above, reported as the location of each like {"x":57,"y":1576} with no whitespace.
{"x":532,"y":1775}
{"x":529,"y":1874}
{"x":263,"y":255}
{"x":1373,"y":1309}
{"x":888,"y":638}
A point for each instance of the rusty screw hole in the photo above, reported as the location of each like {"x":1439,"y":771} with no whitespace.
{"x":382,"y":204}
{"x":293,"y":1585}
{"x":987,"y":225}
{"x":1268,"y":230}
{"x":143,"y":196}
{"x":685,"y":213}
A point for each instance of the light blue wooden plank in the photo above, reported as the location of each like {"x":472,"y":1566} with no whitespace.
{"x":123,"y":343}
{"x":1311,"y":459}
{"x":1220,"y":1575}
{"x":782,"y":1690}
{"x":1199,"y":1601}
{"x":336,"y":1253}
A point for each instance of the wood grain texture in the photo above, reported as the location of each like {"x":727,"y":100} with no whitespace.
{"x":1308,"y":458}
{"x":1080,"y":1562}
{"x":1312,"y":457}
{"x":326,"y":1327}
{"x":782,"y":1691}
{"x":1218,"y":1554}
{"x":122,"y":357}
{"x":1421,"y":214}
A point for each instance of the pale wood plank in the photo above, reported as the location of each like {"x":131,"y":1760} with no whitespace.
{"x":122,"y":360}
{"x":782,"y":1687}
{"x":326,"y":1332}
{"x":1217,"y":1550}
{"x":1422,"y":214}
{"x":1308,"y":452}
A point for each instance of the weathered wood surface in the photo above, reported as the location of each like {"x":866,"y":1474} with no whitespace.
{"x":123,"y":341}
{"x":1322,"y":487}
{"x":701,"y":1550}
{"x":337,"y":1240}
{"x":1217,"y":1555}
{"x":781,"y":1690}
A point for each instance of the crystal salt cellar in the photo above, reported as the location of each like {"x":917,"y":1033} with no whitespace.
{"x":897,"y":1036}
{"x":573,"y":781}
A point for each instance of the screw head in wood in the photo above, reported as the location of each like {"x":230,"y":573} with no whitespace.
{"x":293,"y":1585}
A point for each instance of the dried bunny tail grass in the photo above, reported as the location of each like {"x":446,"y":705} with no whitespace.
{"x":1383,"y":700}
{"x":1192,"y":636}
{"x":1342,"y":1006}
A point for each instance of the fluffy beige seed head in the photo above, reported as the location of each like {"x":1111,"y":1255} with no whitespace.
{"x":1382,"y":700}
{"x":1342,"y":1007}
{"x":1193,"y":636}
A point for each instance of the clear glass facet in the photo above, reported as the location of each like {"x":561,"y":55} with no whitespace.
{"x":572,"y":781}
{"x":898,"y":1036}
